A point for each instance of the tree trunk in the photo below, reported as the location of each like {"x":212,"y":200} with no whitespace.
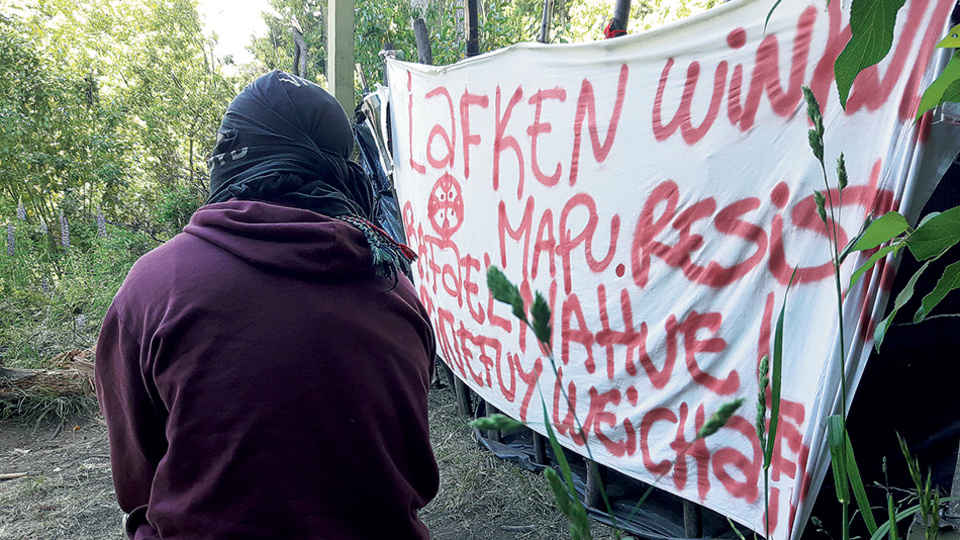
{"x":73,"y":376}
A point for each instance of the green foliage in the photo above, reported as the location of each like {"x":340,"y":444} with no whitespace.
{"x":936,"y":235}
{"x":175,"y":206}
{"x":836,"y":441}
{"x":44,"y":288}
{"x":859,"y":493}
{"x":871,"y":22}
{"x":928,"y":498}
{"x":105,"y":104}
{"x":881,"y":230}
{"x":503,"y":290}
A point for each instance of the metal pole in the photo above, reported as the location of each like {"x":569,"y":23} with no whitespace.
{"x":473,"y":32}
{"x":621,"y":12}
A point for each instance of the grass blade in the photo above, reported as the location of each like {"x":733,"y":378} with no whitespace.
{"x":776,"y":377}
{"x":836,"y":438}
{"x":913,"y":510}
{"x":853,"y":474}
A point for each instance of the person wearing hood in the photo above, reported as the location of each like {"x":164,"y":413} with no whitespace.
{"x":264,"y":374}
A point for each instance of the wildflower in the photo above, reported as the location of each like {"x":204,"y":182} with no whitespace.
{"x":43,"y":226}
{"x":21,"y":211}
{"x":45,"y":285}
{"x":11,"y":239}
{"x":64,"y":231}
{"x":81,"y":322}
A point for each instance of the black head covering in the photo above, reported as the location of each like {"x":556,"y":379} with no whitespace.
{"x":284,"y":139}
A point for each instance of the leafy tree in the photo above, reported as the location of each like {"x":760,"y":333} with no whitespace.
{"x":112,"y":104}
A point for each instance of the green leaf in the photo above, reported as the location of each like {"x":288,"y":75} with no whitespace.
{"x":949,"y":281}
{"x":540,"y":311}
{"x":505,"y":291}
{"x":769,"y":13}
{"x":557,"y":449}
{"x":566,"y":498}
{"x":836,"y":439}
{"x":937,"y":234}
{"x":853,"y":241}
{"x":871,"y":23}
{"x":498,"y":421}
{"x":559,"y":490}
{"x":883,"y":229}
{"x":881,"y":253}
{"x":776,"y":376}
{"x":891,"y":518}
{"x":944,"y":88}
{"x":853,"y":474}
{"x":901,"y":301}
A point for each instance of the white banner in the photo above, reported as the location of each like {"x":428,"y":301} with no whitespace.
{"x":658,"y":189}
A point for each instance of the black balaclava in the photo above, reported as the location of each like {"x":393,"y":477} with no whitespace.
{"x":284,"y":139}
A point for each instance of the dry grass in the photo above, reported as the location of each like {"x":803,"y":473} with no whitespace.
{"x":70,"y":495}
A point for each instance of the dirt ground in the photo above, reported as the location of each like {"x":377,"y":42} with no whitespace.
{"x":69,"y":493}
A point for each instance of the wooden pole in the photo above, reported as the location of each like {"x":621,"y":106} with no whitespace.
{"x":596,"y":477}
{"x":545,"y":22}
{"x":540,"y":449}
{"x":492,"y":434}
{"x":422,"y":34}
{"x":692,"y":519}
{"x":473,"y":32}
{"x":463,"y":397}
{"x":340,"y":58}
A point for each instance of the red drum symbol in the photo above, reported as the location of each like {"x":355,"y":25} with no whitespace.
{"x":445,"y":206}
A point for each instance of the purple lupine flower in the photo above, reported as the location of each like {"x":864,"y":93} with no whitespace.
{"x":11,"y":239}
{"x":43,"y":226}
{"x":45,"y":285}
{"x":101,"y":225}
{"x":21,"y":211}
{"x":64,"y":231}
{"x":81,"y":322}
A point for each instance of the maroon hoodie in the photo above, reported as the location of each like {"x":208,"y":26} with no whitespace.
{"x":260,"y":381}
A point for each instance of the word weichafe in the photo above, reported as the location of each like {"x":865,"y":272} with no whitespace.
{"x":659,"y":191}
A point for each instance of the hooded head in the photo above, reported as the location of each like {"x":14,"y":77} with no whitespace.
{"x":284,"y":139}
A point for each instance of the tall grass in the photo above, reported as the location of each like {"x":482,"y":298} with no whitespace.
{"x":53,"y":298}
